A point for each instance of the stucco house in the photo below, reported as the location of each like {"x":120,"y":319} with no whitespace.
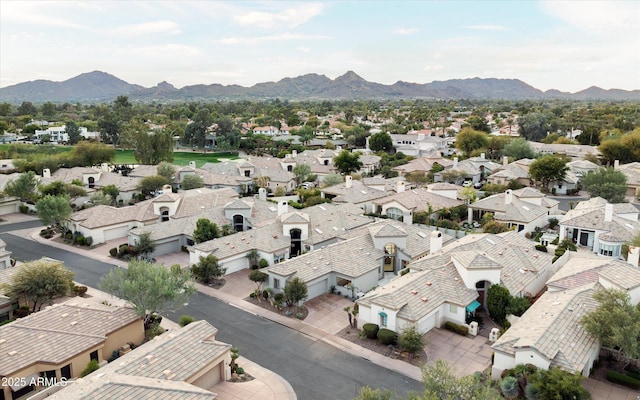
{"x":474,"y":169}
{"x":423,"y":164}
{"x":81,"y":331}
{"x":600,"y":226}
{"x":185,"y":363}
{"x":448,"y":284}
{"x":632,"y":172}
{"x":354,"y":192}
{"x":549,"y":333}
{"x":359,"y":259}
{"x":403,"y":204}
{"x":522,"y":214}
{"x":517,"y":170}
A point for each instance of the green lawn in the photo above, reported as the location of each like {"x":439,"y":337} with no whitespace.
{"x":181,"y":158}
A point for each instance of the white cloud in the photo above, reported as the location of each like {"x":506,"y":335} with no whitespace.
{"x":164,"y":51}
{"x":429,"y":68}
{"x":405,"y":31}
{"x":304,"y":49}
{"x":597,"y":16}
{"x":35,"y":13}
{"x":146,"y":28}
{"x":271,"y":38}
{"x":486,"y":27}
{"x":287,"y":18}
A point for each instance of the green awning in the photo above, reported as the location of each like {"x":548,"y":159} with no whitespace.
{"x":473,"y":306}
{"x":382,"y":314}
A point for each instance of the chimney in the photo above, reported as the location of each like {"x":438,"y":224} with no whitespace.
{"x":608,"y":212}
{"x":508,"y":196}
{"x":634,"y":256}
{"x":366,"y":145}
{"x":616,"y":164}
{"x":505,"y":161}
{"x":192,"y":164}
{"x":482,"y":155}
{"x":348,"y":181}
{"x":262,"y":194}
{"x":283,"y":207}
{"x":104,"y":167}
{"x":46,"y":173}
{"x":435,"y":242}
{"x":400,"y":187}
{"x":455,"y":162}
{"x":294,"y":153}
{"x":407,"y":217}
{"x":166,"y":189}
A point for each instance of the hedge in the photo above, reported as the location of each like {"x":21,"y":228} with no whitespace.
{"x":387,"y":336}
{"x":459,"y":329}
{"x":371,"y":330}
{"x":623,"y":380}
{"x":541,"y":247}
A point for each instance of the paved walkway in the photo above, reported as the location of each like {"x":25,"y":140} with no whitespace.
{"x":466,"y":355}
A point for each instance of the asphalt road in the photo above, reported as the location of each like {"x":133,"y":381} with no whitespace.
{"x":314,"y":369}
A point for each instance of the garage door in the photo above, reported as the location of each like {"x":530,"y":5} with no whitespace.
{"x":115,"y":233}
{"x":167,"y":247}
{"x":210,"y":378}
{"x":427,"y":324}
{"x":7,"y":209}
{"x":236,"y":265}
{"x":318,"y":288}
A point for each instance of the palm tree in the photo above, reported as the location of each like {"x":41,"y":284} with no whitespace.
{"x":253,"y":257}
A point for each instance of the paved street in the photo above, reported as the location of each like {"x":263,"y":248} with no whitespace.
{"x":315,"y":369}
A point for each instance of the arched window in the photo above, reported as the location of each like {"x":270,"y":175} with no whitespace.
{"x":296,"y":242}
{"x":394,"y":213}
{"x":238,"y":223}
{"x":164,"y":214}
{"x":92,"y":182}
{"x":290,"y":168}
{"x":389,"y":257}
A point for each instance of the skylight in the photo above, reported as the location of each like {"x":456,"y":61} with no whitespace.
{"x":422,"y":234}
{"x":491,"y":241}
{"x":318,"y":230}
{"x":526,"y":208}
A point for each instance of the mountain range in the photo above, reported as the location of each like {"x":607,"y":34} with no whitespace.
{"x":97,"y":86}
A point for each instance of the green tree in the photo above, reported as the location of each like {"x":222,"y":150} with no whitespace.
{"x":558,"y":384}
{"x":440,"y":382}
{"x":548,"y":169}
{"x":25,"y":187}
{"x":145,"y":245}
{"x":167,"y":170}
{"x":606,"y":183}
{"x":196,"y":131}
{"x":149,"y":147}
{"x":381,"y":141}
{"x":253,"y":257}
{"x":100,"y":199}
{"x":411,"y":339}
{"x":205,"y":231}
{"x":152,"y":183}
{"x":615,"y":323}
{"x":468,"y":194}
{"x":149,"y":287}
{"x":332,"y":179}
{"x":258,"y":277}
{"x":498,"y":298}
{"x":295,"y":291}
{"x":38,"y":282}
{"x":495,"y":227}
{"x":87,"y":154}
{"x":54,"y":210}
{"x":55,"y":188}
{"x":111,"y":190}
{"x":73,"y":131}
{"x":534,"y":126}
{"x":208,"y":269}
{"x":469,"y":140}
{"x":27,"y":108}
{"x":305,"y":134}
{"x":192,"y":181}
{"x":347,"y":162}
{"x":301,"y":172}
{"x":477,"y":123}
{"x":518,"y":149}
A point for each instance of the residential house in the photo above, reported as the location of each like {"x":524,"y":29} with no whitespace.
{"x":358,"y":260}
{"x":7,"y":304}
{"x":423,"y":164}
{"x":104,"y":223}
{"x":5,"y":256}
{"x":266,"y":130}
{"x":186,"y":363}
{"x":521,"y":214}
{"x":60,"y":340}
{"x":290,"y":234}
{"x":269,"y":172}
{"x":632,"y":172}
{"x":582,"y":167}
{"x":354,"y":192}
{"x":474,"y":169}
{"x":419,"y":145}
{"x":600,"y":226}
{"x":445,"y":189}
{"x":453,"y":281}
{"x":575,"y":151}
{"x":549,"y":334}
{"x":517,"y":170}
{"x":403,"y":204}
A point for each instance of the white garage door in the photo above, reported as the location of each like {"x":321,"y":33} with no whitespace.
{"x":210,"y":378}
{"x":318,"y":288}
{"x":115,"y":233}
{"x":236,"y":265}
{"x":427,"y":324}
{"x":7,"y":209}
{"x":167,"y":247}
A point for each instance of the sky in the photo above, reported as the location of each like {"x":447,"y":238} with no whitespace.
{"x":564,"y":45}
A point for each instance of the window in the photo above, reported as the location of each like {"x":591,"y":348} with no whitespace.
{"x":394,"y":213}
{"x":278,"y":258}
{"x":383,"y":319}
{"x":609,"y":250}
{"x":453,"y":309}
{"x":276,"y":283}
{"x":165,"y":215}
{"x":342,"y":282}
{"x":94,"y":355}
{"x":247,"y":173}
{"x":289,"y":168}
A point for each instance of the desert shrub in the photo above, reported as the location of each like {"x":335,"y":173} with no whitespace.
{"x":518,"y":305}
{"x":509,"y":387}
{"x":92,"y":366}
{"x":541,"y":248}
{"x":80,"y":290}
{"x":459,"y":329}
{"x":263,"y":263}
{"x":556,"y":240}
{"x":186,"y":320}
{"x":155,"y":330}
{"x":411,"y":339}
{"x":553,"y":222}
{"x":113,"y":252}
{"x":23,"y":209}
{"x":371,"y":330}
{"x":239,"y":370}
{"x":623,"y":380}
{"x":632,"y":371}
{"x":88,"y":240}
{"x":123,"y":249}
{"x":387,"y":336}
{"x":532,"y":391}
